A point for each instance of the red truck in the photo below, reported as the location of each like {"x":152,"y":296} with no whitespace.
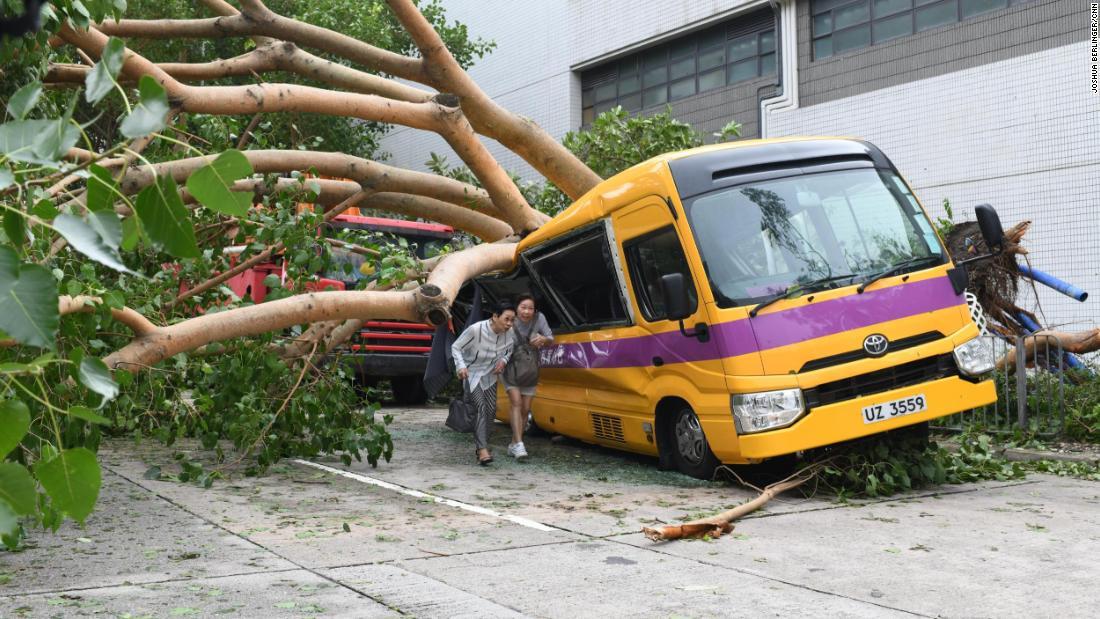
{"x":383,"y":349}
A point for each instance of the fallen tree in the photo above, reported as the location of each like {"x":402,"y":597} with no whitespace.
{"x":109,"y":159}
{"x":996,"y":285}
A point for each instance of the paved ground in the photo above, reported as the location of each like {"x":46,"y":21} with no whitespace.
{"x":432,"y":535}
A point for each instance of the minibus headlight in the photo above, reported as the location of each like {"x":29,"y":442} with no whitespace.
{"x":975,"y":357}
{"x":766,"y":410}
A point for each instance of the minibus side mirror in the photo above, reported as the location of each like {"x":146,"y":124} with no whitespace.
{"x":678,"y":305}
{"x":676,"y":296}
{"x":990,"y":225}
{"x":994,"y":235}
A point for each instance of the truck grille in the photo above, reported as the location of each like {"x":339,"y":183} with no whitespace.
{"x":903,"y":375}
{"x":393,"y":337}
{"x":856,"y":355}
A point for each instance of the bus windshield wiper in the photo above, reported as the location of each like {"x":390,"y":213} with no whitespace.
{"x":895,"y":269}
{"x":798,"y":287}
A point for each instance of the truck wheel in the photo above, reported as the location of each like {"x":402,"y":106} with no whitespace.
{"x":408,"y":390}
{"x":690,"y":451}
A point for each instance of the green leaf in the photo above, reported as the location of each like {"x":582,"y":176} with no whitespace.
{"x":7,"y":177}
{"x":45,"y":209}
{"x":94,"y":375}
{"x":9,"y":521}
{"x":210,"y":184}
{"x":15,"y":226}
{"x":87,"y":414}
{"x":72,"y":480}
{"x":17,"y":488}
{"x":15,"y":420}
{"x":41,"y":142}
{"x":102,"y":189}
{"x":28,"y":301}
{"x":165,"y":219}
{"x":101,"y":79}
{"x":148,"y":115}
{"x":97,"y":237}
{"x":130,"y":234}
{"x":18,"y":368}
{"x":59,"y":136}
{"x":24,"y":100}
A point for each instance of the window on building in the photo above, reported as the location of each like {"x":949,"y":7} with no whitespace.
{"x":739,"y":50}
{"x":843,"y":25}
{"x":648,"y":258}
{"x":584,"y":296}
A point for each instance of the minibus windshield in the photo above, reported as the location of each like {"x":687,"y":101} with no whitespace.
{"x":759,"y":239}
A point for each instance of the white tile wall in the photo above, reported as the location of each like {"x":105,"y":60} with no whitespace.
{"x":538,"y":42}
{"x":1022,"y":134}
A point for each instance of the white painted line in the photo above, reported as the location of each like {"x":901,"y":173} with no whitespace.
{"x":520,"y":520}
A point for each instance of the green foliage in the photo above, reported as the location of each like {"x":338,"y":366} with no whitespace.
{"x":15,"y":420}
{"x":729,"y":132}
{"x":57,"y":397}
{"x":944,"y":225}
{"x":616,"y":140}
{"x":165,"y":220}
{"x":150,"y":112}
{"x":102,"y":78}
{"x":1082,"y":404}
{"x":900,"y":461}
{"x":28,"y":301}
{"x":260,"y":411}
{"x":71,"y":479}
{"x":211,"y":184}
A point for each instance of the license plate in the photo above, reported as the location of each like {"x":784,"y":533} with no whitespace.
{"x":897,"y":408}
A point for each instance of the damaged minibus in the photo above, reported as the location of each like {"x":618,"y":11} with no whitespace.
{"x":738,"y":302}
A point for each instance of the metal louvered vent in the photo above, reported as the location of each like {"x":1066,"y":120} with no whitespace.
{"x":596,"y":77}
{"x":748,"y":24}
{"x":608,"y":428}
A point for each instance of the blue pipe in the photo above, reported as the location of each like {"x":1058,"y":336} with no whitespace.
{"x":1047,"y":279}
{"x":1071,"y":360}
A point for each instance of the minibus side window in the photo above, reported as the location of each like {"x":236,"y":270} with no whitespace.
{"x":581,"y":281}
{"x":650,"y":256}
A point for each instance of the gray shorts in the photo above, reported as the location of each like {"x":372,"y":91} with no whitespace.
{"x":528,"y":391}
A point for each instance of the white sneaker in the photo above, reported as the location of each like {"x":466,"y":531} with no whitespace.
{"x":517,"y":451}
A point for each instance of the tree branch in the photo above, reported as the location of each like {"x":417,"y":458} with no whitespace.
{"x":429,"y":303}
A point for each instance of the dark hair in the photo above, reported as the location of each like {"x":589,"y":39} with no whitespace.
{"x":503,"y":306}
{"x":526,"y":296}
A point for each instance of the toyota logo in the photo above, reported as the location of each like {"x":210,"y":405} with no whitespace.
{"x":876,"y":344}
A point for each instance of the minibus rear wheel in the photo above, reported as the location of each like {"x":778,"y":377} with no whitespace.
{"x":690,"y":451}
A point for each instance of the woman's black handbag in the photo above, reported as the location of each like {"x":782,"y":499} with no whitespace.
{"x":460,"y":417}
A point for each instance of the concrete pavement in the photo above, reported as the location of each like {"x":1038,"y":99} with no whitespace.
{"x":430,"y":534}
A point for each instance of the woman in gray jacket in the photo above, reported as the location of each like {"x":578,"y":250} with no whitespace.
{"x":530,"y":329}
{"x":480,"y":354}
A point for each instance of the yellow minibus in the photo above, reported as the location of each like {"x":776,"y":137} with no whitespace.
{"x":738,"y":302}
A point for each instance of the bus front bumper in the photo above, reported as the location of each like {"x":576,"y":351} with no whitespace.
{"x":844,"y":421}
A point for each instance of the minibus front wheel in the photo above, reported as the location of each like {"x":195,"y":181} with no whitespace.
{"x":688,"y":444}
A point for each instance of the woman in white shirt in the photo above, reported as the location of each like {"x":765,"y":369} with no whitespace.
{"x":480,"y":354}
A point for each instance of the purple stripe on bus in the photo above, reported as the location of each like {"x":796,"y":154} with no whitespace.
{"x":744,"y":336}
{"x":855,"y":311}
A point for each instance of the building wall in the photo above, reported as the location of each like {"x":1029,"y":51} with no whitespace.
{"x":985,"y":38}
{"x":1022,"y":134}
{"x":992,"y":109}
{"x":539,"y":43}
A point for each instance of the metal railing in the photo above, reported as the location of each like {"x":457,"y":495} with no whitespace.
{"x":1030,"y":382}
